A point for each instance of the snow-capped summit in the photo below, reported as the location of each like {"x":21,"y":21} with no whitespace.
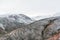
{"x":41,"y":17}
{"x":14,"y":21}
{"x":21,"y":18}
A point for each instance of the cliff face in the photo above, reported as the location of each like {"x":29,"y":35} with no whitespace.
{"x":45,"y":29}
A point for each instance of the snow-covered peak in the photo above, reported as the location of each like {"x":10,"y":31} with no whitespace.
{"x":21,"y":18}
{"x":41,"y":17}
{"x":15,"y":21}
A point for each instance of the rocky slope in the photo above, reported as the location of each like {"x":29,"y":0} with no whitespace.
{"x":45,"y":29}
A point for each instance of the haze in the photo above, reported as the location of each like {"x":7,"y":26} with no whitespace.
{"x":30,"y":7}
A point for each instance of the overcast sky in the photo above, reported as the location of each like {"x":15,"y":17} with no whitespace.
{"x":30,"y":7}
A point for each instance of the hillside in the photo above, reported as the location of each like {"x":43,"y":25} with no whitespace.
{"x":44,"y":29}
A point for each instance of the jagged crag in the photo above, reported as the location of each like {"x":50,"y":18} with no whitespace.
{"x":45,"y":29}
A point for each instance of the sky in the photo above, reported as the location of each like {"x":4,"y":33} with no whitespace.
{"x":30,"y":7}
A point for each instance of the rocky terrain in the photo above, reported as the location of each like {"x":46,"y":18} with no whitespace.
{"x":44,"y":29}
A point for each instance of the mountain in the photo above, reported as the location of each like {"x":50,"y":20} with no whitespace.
{"x":41,"y":17}
{"x":44,"y":29}
{"x":11,"y":22}
{"x":21,"y":18}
